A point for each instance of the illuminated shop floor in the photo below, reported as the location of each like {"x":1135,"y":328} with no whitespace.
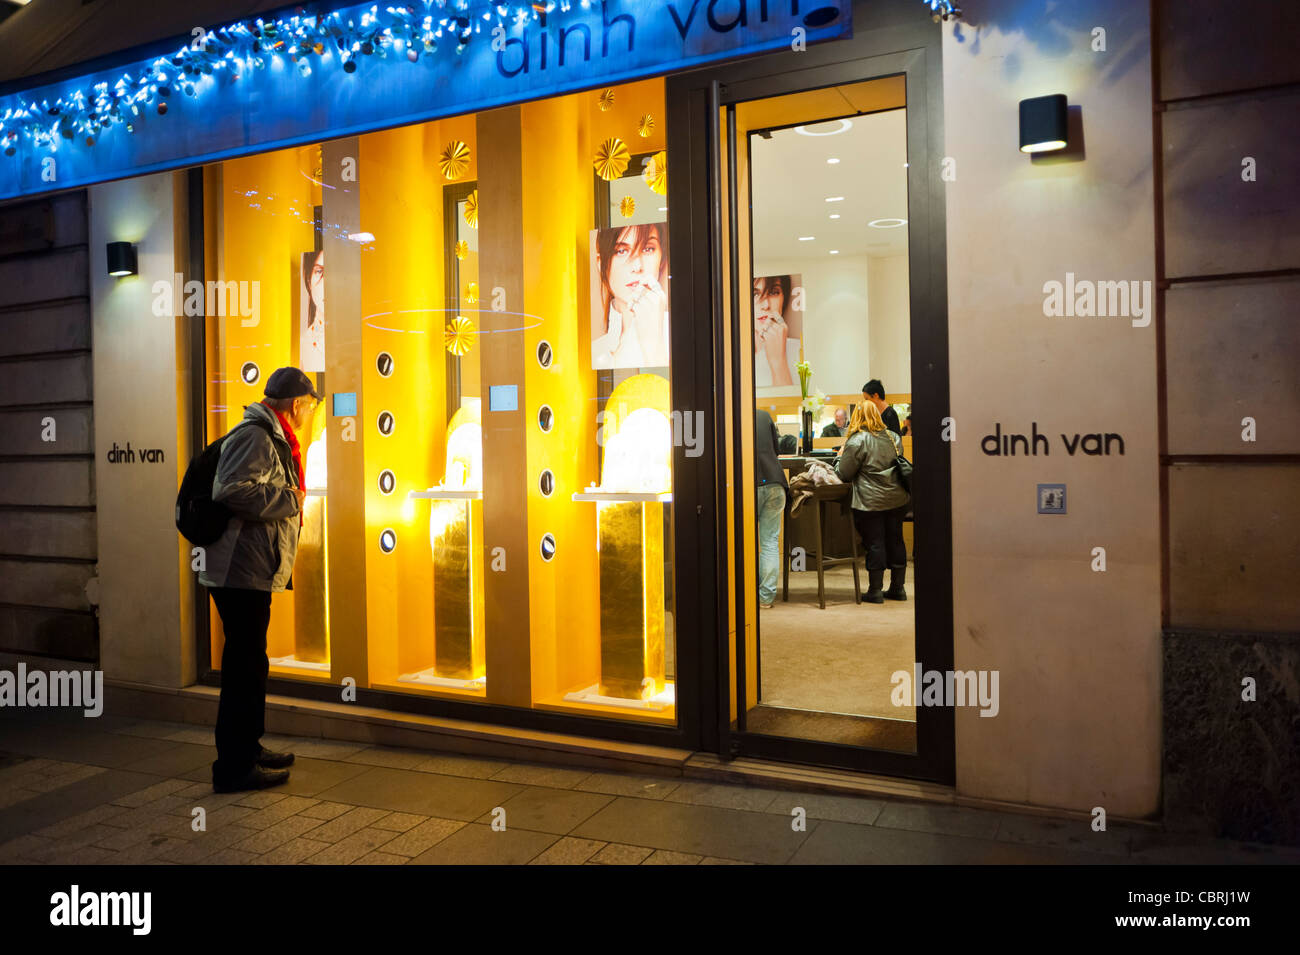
{"x":428,"y":677}
{"x":291,"y":662}
{"x":838,"y":660}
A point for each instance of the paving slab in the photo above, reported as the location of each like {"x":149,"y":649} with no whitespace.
{"x":41,"y":811}
{"x":701,"y":830}
{"x":479,"y":845}
{"x":425,"y":793}
{"x":837,"y":843}
{"x":549,"y":810}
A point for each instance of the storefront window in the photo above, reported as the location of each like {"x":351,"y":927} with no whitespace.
{"x":266,"y":309}
{"x":496,"y":371}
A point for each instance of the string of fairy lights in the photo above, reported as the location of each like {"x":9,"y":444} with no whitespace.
{"x":410,"y":33}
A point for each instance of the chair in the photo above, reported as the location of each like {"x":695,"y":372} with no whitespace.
{"x":838,"y":496}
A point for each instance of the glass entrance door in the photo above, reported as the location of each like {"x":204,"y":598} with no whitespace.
{"x":832,"y":378}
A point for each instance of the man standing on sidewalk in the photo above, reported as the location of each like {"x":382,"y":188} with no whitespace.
{"x":260,"y":480}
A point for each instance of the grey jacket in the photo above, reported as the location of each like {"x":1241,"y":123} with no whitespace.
{"x":259,"y":545}
{"x":868,"y":461}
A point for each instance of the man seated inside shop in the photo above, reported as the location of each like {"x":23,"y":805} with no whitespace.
{"x":907,"y":426}
{"x":836,"y":428}
{"x":874,"y":392}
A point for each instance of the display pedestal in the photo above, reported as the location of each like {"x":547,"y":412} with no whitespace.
{"x":455,"y":535}
{"x":630,"y":539}
{"x":310,"y":603}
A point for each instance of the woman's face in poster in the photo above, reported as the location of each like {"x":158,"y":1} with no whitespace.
{"x":769,"y":302}
{"x":632,"y":266}
{"x":316,"y":282}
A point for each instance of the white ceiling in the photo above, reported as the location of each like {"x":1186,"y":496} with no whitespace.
{"x":792,"y":180}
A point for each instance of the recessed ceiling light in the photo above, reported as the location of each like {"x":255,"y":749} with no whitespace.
{"x":832,"y":162}
{"x":663,"y":208}
{"x":835,"y":251}
{"x":362,"y":237}
{"x":844,"y":126}
{"x":834,"y":198}
{"x":806,"y":238}
{"x":835,"y":215}
{"x":887,"y":223}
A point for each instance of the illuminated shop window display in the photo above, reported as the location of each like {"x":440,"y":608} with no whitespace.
{"x":500,"y":480}
{"x":266,"y":309}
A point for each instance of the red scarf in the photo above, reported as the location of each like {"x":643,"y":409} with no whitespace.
{"x":293,"y":448}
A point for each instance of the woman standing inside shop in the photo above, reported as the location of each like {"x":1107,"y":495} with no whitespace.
{"x":879,"y":499}
{"x":630,"y":327}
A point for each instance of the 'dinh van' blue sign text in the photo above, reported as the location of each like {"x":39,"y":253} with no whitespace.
{"x":273,"y":82}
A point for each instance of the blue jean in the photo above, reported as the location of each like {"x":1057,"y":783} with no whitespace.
{"x":771,"y":505}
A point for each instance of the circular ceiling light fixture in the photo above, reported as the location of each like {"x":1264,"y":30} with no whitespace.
{"x":887,"y":223}
{"x":831,"y":127}
{"x":832,"y":162}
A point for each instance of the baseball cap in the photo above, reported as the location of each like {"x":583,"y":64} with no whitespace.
{"x":289,"y":383}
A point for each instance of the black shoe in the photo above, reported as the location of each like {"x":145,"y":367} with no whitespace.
{"x":875,"y":581}
{"x":897,"y":575}
{"x":255,"y":778}
{"x":270,"y":760}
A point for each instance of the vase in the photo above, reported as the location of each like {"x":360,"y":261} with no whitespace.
{"x":806,"y":433}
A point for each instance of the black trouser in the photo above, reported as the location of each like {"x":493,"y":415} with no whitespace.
{"x":241,"y":714}
{"x":882,"y":537}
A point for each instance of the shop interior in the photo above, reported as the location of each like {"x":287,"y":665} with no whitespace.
{"x":827,"y":259}
{"x":484,"y":302}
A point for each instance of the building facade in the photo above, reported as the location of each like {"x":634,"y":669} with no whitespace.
{"x":524,"y":524}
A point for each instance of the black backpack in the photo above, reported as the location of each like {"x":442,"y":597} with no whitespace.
{"x":199,"y":518}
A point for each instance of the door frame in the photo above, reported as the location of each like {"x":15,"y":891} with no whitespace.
{"x":891,"y":38}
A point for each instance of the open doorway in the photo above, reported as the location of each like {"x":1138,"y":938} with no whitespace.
{"x":832,"y":373}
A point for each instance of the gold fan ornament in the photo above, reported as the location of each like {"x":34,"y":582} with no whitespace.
{"x":606,"y":100}
{"x":656,"y":173}
{"x":471,"y":293}
{"x":471,"y":209}
{"x":646,"y":126}
{"x":455,"y":160}
{"x":627,"y":207}
{"x":612,"y":159}
{"x":461,"y":249}
{"x":459,"y":336}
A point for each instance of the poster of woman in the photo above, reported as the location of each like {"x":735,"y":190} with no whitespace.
{"x":778,"y":332}
{"x":629,"y":296}
{"x":311,"y":339}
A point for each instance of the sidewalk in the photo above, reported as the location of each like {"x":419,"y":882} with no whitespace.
{"x":118,"y":791}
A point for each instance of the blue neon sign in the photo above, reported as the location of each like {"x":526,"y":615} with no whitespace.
{"x":262,"y":84}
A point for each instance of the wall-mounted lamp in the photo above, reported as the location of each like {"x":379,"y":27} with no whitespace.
{"x":1044,"y":124}
{"x":121,"y":259}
